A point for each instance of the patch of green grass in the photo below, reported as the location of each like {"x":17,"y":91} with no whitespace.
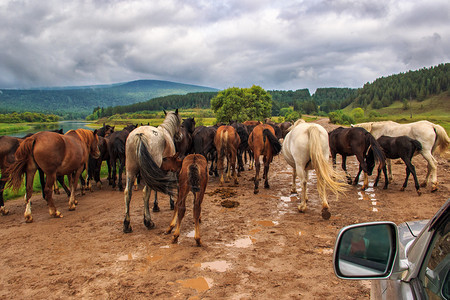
{"x":7,"y":128}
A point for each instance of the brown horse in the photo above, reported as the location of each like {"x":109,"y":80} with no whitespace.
{"x":262,"y":141}
{"x":8,"y":146}
{"x":193,"y":177}
{"x":227,"y":142}
{"x":55,"y":155}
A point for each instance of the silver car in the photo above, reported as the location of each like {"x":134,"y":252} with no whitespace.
{"x":409,"y":261}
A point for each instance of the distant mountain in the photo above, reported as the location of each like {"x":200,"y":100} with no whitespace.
{"x":79,"y":101}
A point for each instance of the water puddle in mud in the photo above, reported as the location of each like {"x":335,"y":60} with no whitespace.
{"x":241,"y":243}
{"x":266,"y":223}
{"x":369,"y":195}
{"x":219,"y":265}
{"x":191,"y":234}
{"x":200,"y":284}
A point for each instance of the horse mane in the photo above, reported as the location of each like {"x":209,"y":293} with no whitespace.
{"x":299,"y":121}
{"x":171,"y":123}
{"x":86,"y":135}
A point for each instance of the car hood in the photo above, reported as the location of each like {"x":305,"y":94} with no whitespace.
{"x":407,"y":233}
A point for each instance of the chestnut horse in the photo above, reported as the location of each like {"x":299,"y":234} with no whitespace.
{"x":227,"y":142}
{"x":262,"y":141}
{"x":55,"y":155}
{"x":193,"y":177}
{"x":145,"y":148}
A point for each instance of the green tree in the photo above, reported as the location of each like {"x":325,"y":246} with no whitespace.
{"x":242,"y":104}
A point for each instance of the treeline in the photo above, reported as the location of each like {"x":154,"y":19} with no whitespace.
{"x":27,"y":117}
{"x":299,"y":100}
{"x":417,"y":85}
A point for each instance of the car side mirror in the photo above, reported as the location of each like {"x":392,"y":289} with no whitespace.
{"x":366,"y":251}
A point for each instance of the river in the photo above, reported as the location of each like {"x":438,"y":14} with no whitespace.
{"x":65,"y":125}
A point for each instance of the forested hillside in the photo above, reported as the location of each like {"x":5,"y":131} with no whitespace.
{"x":416,"y":85}
{"x":78,"y":102}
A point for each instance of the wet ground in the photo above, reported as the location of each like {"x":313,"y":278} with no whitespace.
{"x":260,"y":247}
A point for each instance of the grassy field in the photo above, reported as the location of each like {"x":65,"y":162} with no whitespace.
{"x":6,"y":128}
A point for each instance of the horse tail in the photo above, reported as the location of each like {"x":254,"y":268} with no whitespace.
{"x":151,"y":174}
{"x":224,"y":142}
{"x":18,"y":168}
{"x":194,"y":178}
{"x":273,"y":141}
{"x":376,"y":148}
{"x":324,"y":171}
{"x":442,"y":140}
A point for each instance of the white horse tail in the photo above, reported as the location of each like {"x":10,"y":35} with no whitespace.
{"x":324,"y":171}
{"x":152,"y":175}
{"x":442,"y":140}
{"x":224,"y":143}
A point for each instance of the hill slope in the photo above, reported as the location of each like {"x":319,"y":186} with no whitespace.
{"x":78,"y":102}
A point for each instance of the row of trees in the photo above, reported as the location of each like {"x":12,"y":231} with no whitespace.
{"x":418,"y":85}
{"x":27,"y":117}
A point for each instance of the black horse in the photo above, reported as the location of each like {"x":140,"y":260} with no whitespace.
{"x":95,"y":165}
{"x":184,"y":146}
{"x":355,"y":141}
{"x":242,"y":131}
{"x":402,"y":147}
{"x":203,"y":142}
{"x":116,"y":149}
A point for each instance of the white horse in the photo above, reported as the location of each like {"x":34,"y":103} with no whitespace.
{"x":146,"y":147}
{"x":305,"y":147}
{"x":432,"y":137}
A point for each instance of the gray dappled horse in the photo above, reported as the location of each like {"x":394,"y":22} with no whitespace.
{"x":145,"y":148}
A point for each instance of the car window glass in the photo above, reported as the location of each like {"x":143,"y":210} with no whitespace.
{"x":434,"y":274}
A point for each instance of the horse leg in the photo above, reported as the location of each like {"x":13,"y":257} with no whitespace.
{"x":147,"y":218}
{"x":197,"y":213}
{"x":294,"y":176}
{"x":172,"y":204}
{"x":366,"y":182}
{"x":3,"y":210}
{"x":256,"y":179}
{"x":411,"y":169}
{"x":121,"y":165}
{"x":389,"y":167}
{"x":51,"y":178}
{"x":431,"y":171}
{"x":303,"y":181}
{"x":72,"y":180}
{"x":181,"y":207}
{"x":114,"y":173}
{"x":355,"y":182}
{"x":60,"y":179}
{"x":127,"y":195}
{"x":266,"y":173}
{"x":220,"y":169}
{"x":155,"y":203}
{"x":344,"y":167}
{"x":29,"y":193}
{"x":234,"y":174}
{"x":173,"y":222}
{"x":375,"y":184}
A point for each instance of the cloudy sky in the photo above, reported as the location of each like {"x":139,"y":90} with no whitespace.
{"x":275,"y":44}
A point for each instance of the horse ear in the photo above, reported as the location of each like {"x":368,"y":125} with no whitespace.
{"x":176,"y":111}
{"x":165,"y":113}
{"x":95,"y":132}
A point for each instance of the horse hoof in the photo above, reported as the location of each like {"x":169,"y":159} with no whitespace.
{"x":175,"y":240}
{"x":149,"y":224}
{"x":423,"y":184}
{"x":156,"y":209}
{"x":301,"y":209}
{"x":72,"y":207}
{"x":127,"y":227}
{"x":255,"y":191}
{"x":419,"y":192}
{"x":326,"y":214}
{"x":29,"y":219}
{"x":402,"y":189}
{"x":199,"y":242}
{"x":434,"y":189}
{"x":4,"y":211}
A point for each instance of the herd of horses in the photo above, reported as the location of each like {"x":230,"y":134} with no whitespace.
{"x":173,"y":159}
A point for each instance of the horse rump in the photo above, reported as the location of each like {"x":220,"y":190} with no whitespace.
{"x":274,"y":143}
{"x":151,"y":174}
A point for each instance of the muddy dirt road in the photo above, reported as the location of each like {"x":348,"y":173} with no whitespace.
{"x":262,"y":249}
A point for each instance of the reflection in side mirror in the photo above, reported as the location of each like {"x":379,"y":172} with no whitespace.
{"x":366,"y":250}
